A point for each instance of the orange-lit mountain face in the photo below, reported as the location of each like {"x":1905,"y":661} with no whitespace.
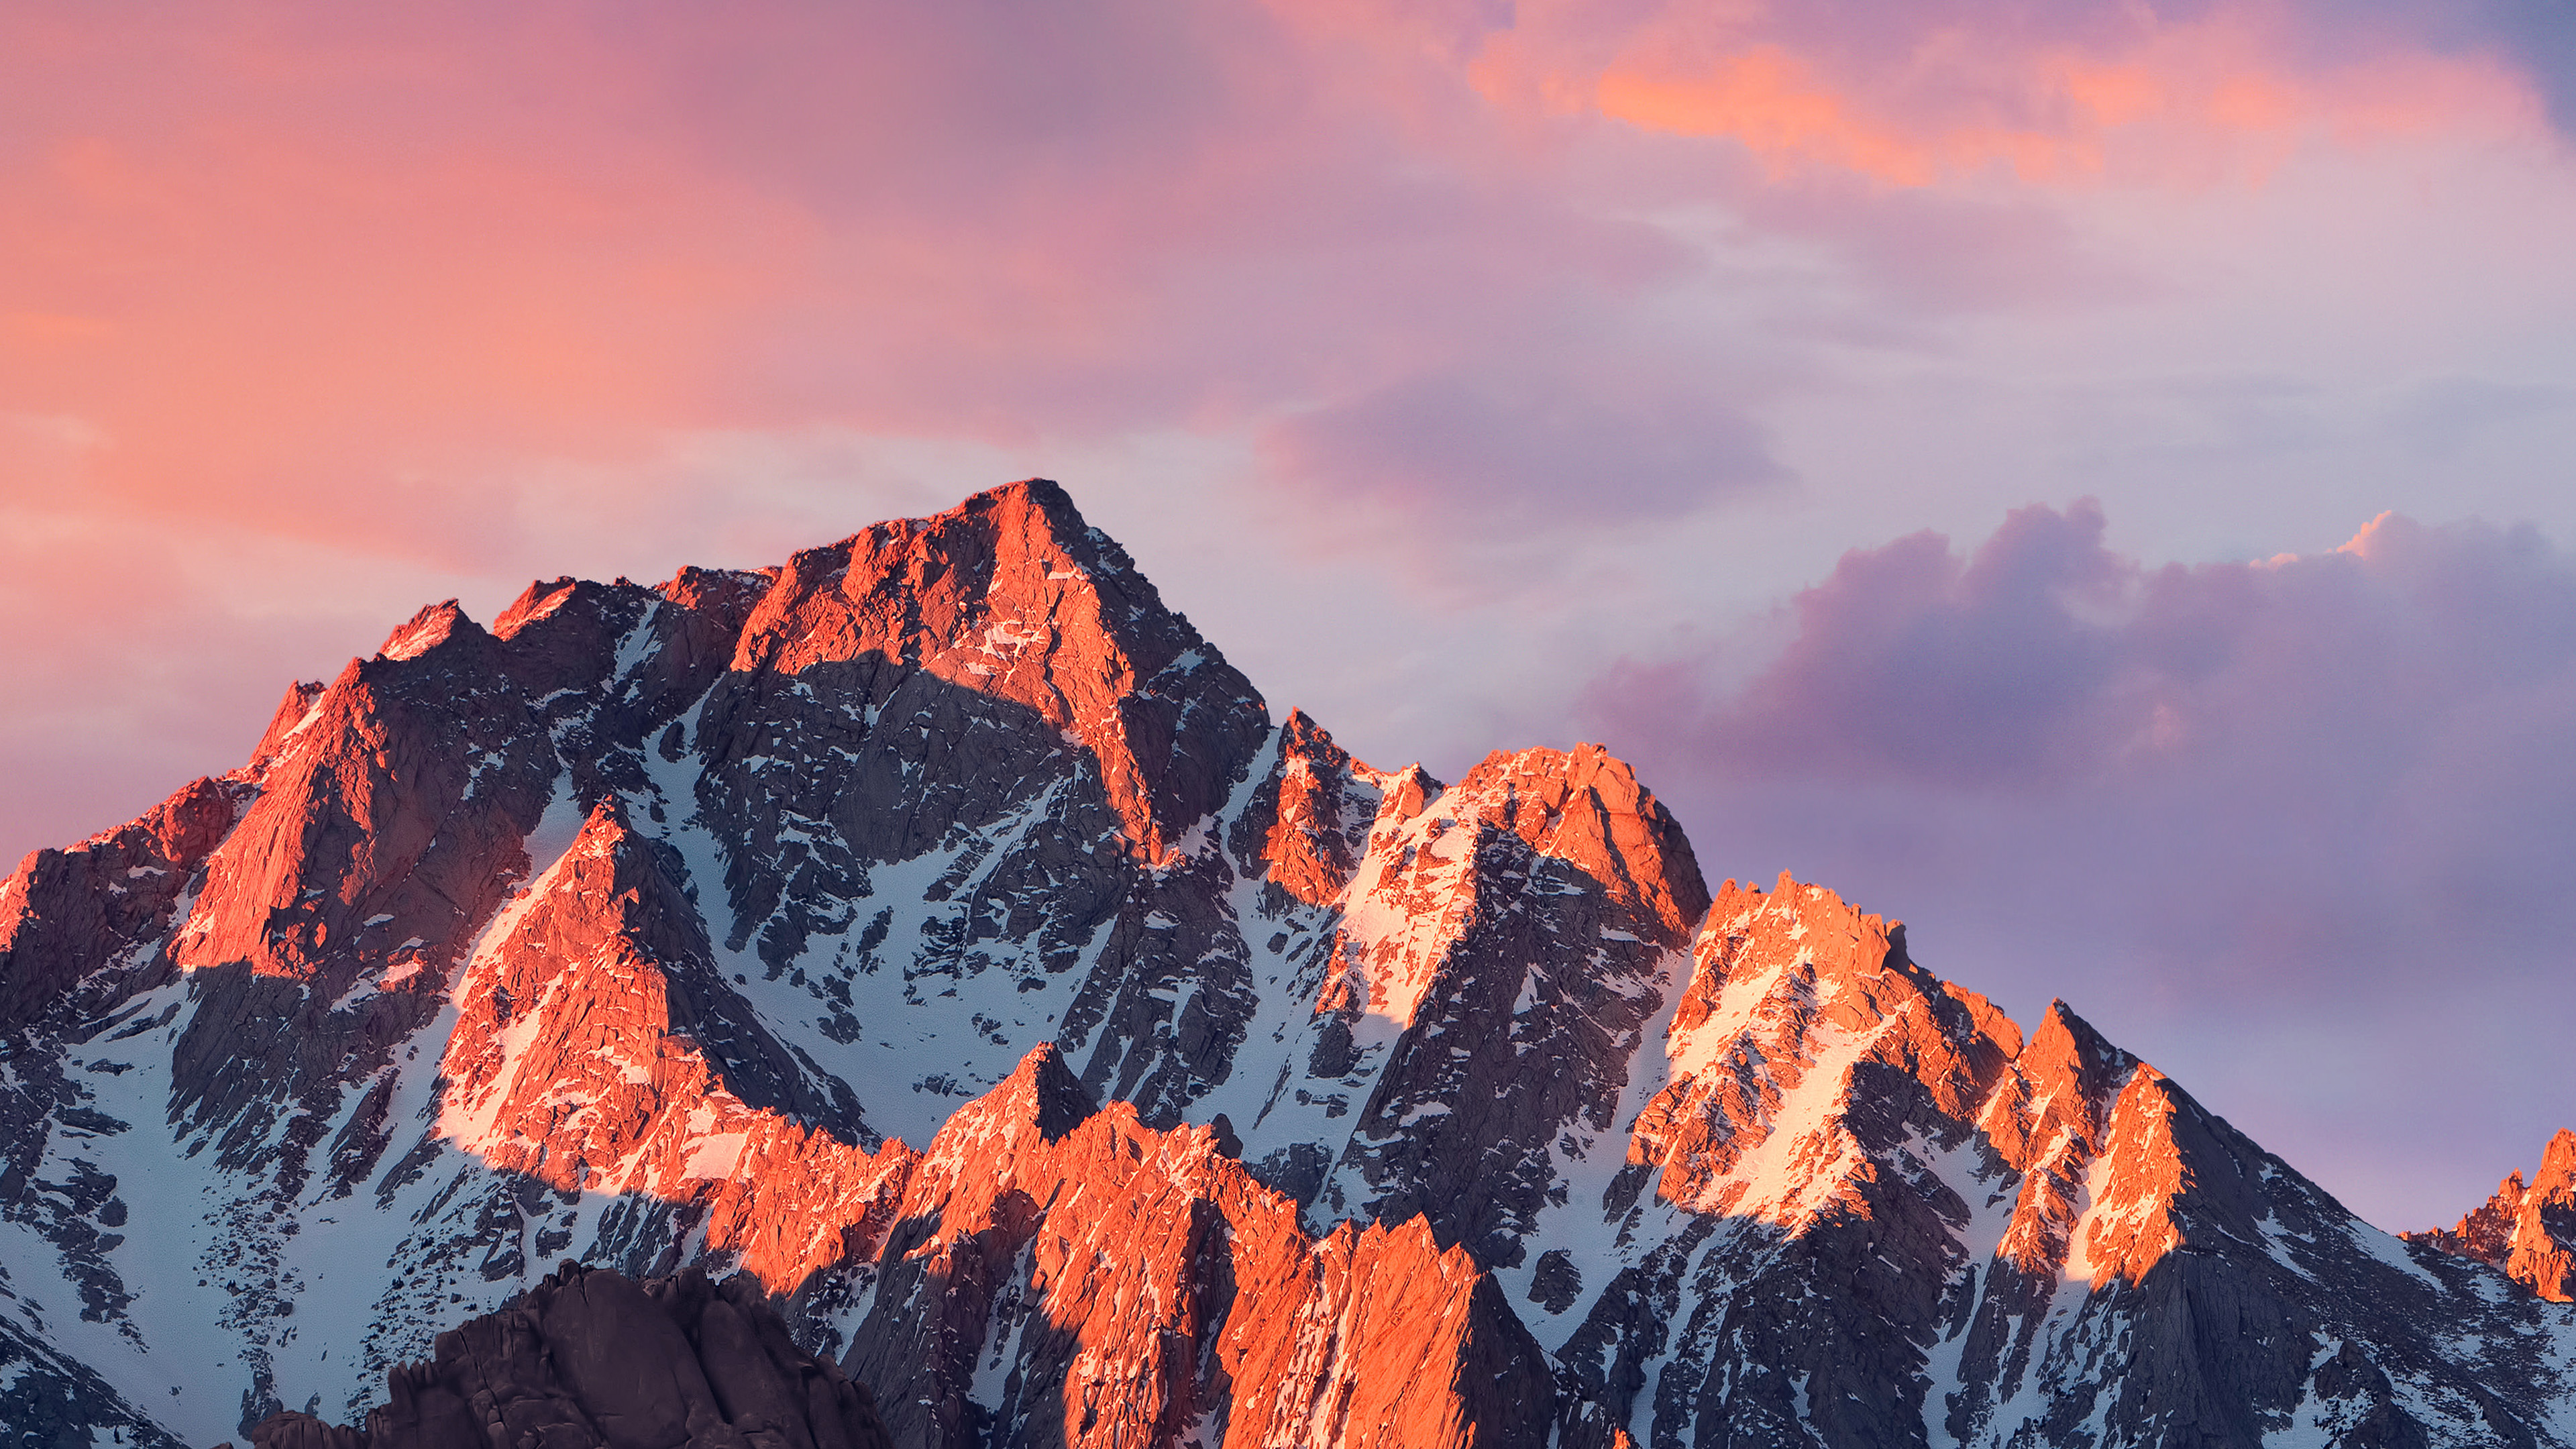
{"x":936,"y":931}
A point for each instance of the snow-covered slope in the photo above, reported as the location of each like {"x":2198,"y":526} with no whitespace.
{"x":705,"y":923}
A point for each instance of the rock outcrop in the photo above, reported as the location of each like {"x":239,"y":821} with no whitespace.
{"x":935,"y":932}
{"x":591,"y":1360}
{"x":2529,"y":1231}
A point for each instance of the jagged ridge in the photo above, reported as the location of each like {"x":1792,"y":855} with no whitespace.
{"x":654,"y":927}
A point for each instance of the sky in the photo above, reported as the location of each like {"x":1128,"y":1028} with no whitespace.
{"x":2089,"y":480}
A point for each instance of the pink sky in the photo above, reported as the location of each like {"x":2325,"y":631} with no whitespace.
{"x":1884,"y":424}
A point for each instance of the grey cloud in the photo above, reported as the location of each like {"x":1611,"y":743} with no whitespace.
{"x":1507,"y":448}
{"x":2210,"y":805}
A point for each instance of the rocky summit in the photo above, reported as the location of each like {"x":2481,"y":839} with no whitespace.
{"x":935,"y":941}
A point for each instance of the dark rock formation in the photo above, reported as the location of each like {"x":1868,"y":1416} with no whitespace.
{"x":591,"y":1358}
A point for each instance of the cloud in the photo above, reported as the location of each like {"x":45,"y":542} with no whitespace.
{"x":2311,"y":710}
{"x":1497,"y":336}
{"x":2217,"y":803}
{"x":1914,"y":95}
{"x":1983,"y":671}
{"x":1500,"y":453}
{"x":310,"y":272}
{"x":297,"y":269}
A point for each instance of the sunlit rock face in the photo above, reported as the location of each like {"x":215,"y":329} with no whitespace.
{"x":938,"y":931}
{"x":1064,"y":1274}
{"x":2528,"y":1230}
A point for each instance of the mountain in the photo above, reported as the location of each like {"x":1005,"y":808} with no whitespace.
{"x":2528,"y":1231}
{"x":938,"y":930}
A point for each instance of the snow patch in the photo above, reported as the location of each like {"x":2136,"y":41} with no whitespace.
{"x":715,"y":1156}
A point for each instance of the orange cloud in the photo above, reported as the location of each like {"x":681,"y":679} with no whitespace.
{"x":233,"y":309}
{"x":1781,"y":109}
{"x":2218,"y":98}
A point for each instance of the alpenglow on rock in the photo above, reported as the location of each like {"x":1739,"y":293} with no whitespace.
{"x":938,"y":931}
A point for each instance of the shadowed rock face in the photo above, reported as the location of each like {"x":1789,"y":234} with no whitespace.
{"x":2528,"y":1231}
{"x":593,"y":1359}
{"x":935,"y":929}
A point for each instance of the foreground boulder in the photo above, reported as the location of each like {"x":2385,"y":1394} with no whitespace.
{"x":591,"y":1358}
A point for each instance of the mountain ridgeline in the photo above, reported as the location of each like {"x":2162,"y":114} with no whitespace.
{"x":934,"y":942}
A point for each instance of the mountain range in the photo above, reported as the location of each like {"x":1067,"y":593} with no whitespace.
{"x":934,"y":942}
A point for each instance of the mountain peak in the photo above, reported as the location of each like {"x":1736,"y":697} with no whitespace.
{"x":425,"y":631}
{"x":1011,"y":597}
{"x":1046,"y":1091}
{"x":293,"y":712}
{"x":1032,"y":498}
{"x":1587,"y":807}
{"x":2066,"y":1049}
{"x":2557,"y":1163}
{"x":1795,"y":924}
